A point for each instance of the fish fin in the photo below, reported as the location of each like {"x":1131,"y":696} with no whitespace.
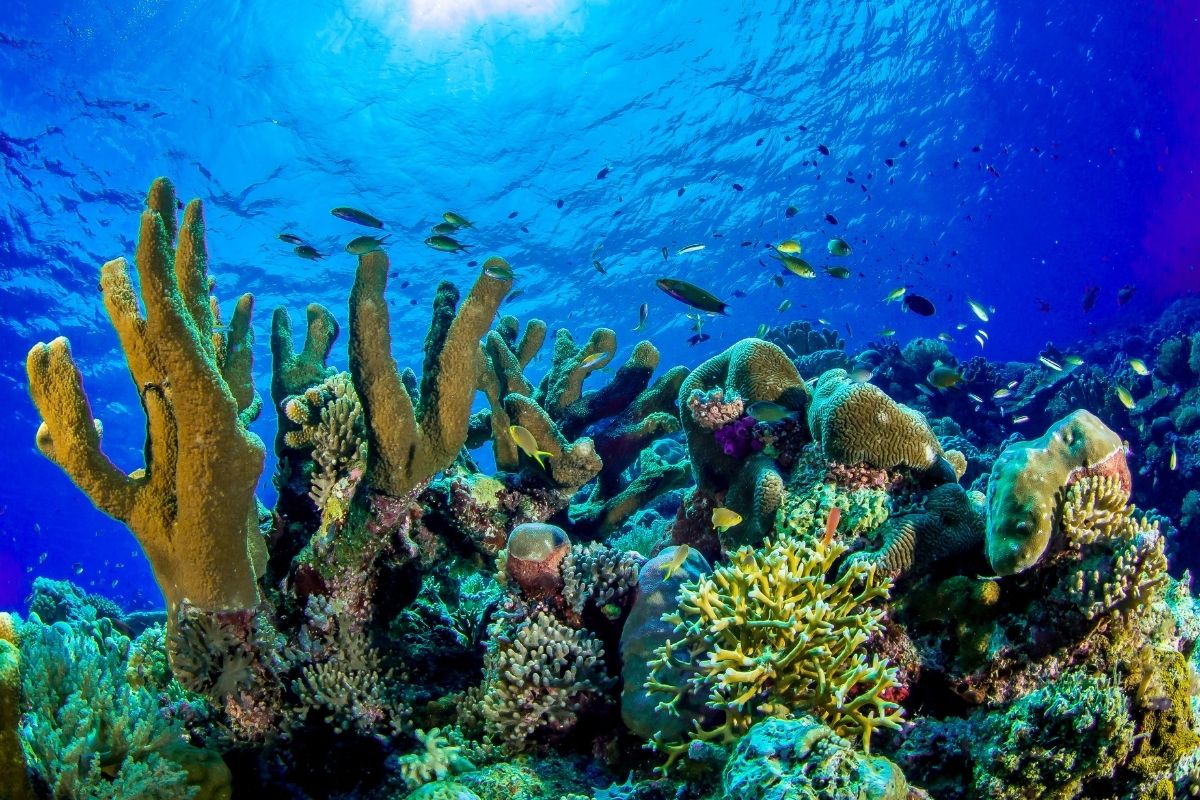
{"x":540,"y":457}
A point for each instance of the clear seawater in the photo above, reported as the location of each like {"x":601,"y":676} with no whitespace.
{"x":1037,"y":149}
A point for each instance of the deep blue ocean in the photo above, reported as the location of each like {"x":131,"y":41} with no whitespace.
{"x":1016,"y":153}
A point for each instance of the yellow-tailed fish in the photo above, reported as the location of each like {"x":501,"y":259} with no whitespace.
{"x":528,"y":444}
{"x":1074,"y":361}
{"x":1050,"y":363}
{"x":725,"y":518}
{"x":1138,"y":366}
{"x":789,"y":246}
{"x":895,"y":294}
{"x":593,"y":360}
{"x":839,"y":247}
{"x":691,"y":248}
{"x":785,"y":305}
{"x":1125,"y":397}
{"x":979,"y":310}
{"x":1173,"y":461}
{"x":672,"y":566}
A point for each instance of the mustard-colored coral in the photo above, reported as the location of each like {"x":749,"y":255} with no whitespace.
{"x":192,"y":507}
{"x":409,"y":442}
{"x":855,"y":422}
{"x":771,"y":635}
{"x":1027,"y":483}
{"x":14,"y":782}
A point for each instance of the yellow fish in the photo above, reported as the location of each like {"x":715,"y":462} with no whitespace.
{"x":798,"y":266}
{"x":672,"y":566}
{"x":724,"y":518}
{"x":888,"y":332}
{"x":979,"y":310}
{"x":593,"y":360}
{"x":528,"y":444}
{"x":1074,"y":361}
{"x":789,"y":246}
{"x":1001,"y":393}
{"x":1125,"y":397}
{"x":895,"y":294}
{"x":1138,"y":366}
{"x":1173,"y":462}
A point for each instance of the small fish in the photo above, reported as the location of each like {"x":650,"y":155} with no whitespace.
{"x":498,"y":269}
{"x":766,"y":411}
{"x":1125,"y":294}
{"x":798,"y":266}
{"x":831,"y":523}
{"x":672,"y":566}
{"x":643,"y":313}
{"x":599,"y":267}
{"x":841,"y":273}
{"x":862,"y":375}
{"x":888,"y":332}
{"x":603,"y":173}
{"x":923,"y":389}
{"x":1138,"y":366}
{"x":528,"y":445}
{"x":1074,"y":361}
{"x":1000,"y":394}
{"x":979,"y":339}
{"x":831,"y":219}
{"x":944,"y":377}
{"x":982,"y":333}
{"x":1020,"y":420}
{"x":962,"y":326}
{"x":290,"y":238}
{"x":664,"y":252}
{"x":446,"y":244}
{"x":785,"y":305}
{"x":457,"y":220}
{"x":839,"y":247}
{"x":979,"y":310}
{"x":1090,"y":294}
{"x":77,"y":568}
{"x":777,"y":280}
{"x":513,"y":295}
{"x":822,"y":149}
{"x":558,"y":203}
{"x":763,"y":330}
{"x":691,"y":248}
{"x":791,"y":212}
{"x":945,"y":337}
{"x":692,"y":295}
{"x":592,"y":360}
{"x":444,"y":228}
{"x":737,"y":187}
{"x":361,"y":245}
{"x":919,"y":305}
{"x":789,"y":246}
{"x":698,"y":338}
{"x":697,"y":321}
{"x":724,"y":518}
{"x":307,"y":252}
{"x":354,"y":215}
{"x":895,"y":294}
{"x":1050,"y":363}
{"x":1172,"y":462}
{"x":1125,"y":397}
{"x":974,"y":398}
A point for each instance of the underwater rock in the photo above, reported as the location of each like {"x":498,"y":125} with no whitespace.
{"x":802,"y":759}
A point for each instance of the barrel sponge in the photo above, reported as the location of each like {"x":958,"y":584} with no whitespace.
{"x":1029,"y":482}
{"x":855,"y":422}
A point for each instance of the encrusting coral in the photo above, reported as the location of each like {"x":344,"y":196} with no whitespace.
{"x":192,"y":507}
{"x":14,"y":783}
{"x":769,"y":635}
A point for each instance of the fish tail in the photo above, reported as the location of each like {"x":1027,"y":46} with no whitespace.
{"x":540,"y":457}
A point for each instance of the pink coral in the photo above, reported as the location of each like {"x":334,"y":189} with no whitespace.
{"x":859,"y":476}
{"x":711,"y":410}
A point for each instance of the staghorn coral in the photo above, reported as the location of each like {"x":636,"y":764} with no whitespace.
{"x":330,"y":422}
{"x":539,"y":675}
{"x":408,"y":442}
{"x":951,"y":525}
{"x":855,"y":422}
{"x":1028,"y":480}
{"x":768,"y":635}
{"x":437,"y":758}
{"x":196,"y":388}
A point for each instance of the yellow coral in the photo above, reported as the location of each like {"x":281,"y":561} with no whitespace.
{"x":8,"y":629}
{"x":192,"y":507}
{"x":14,"y":783}
{"x":769,"y":635}
{"x":855,"y":422}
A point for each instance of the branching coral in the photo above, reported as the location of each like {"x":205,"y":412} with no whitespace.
{"x":598,"y":574}
{"x":769,"y":635}
{"x":436,"y":759}
{"x":192,"y":507}
{"x":330,"y":422}
{"x":1028,"y":481}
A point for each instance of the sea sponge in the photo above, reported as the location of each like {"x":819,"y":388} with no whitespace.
{"x":769,"y":635}
{"x":533,"y":559}
{"x":1029,"y":480}
{"x":193,"y":507}
{"x":856,"y":422}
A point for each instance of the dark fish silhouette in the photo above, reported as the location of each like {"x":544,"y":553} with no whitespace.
{"x":692,"y":295}
{"x":359,"y":217}
{"x":919,"y":305}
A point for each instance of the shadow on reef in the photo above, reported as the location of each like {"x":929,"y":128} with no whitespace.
{"x":731,"y":582}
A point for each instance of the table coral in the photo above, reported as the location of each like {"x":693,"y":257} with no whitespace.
{"x":192,"y":507}
{"x":769,"y":635}
{"x":1029,"y":479}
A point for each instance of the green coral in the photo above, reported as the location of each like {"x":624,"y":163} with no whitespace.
{"x":1028,"y":481}
{"x":770,"y":635}
{"x":14,"y":783}
{"x":1052,"y":742}
{"x":805,"y":510}
{"x":857,"y":423}
{"x":1159,"y":684}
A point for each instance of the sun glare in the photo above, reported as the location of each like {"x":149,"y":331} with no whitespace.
{"x":452,"y":14}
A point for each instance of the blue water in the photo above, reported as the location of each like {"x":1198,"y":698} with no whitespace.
{"x":274,"y":112}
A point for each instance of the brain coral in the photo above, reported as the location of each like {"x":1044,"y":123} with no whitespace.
{"x":856,"y":422}
{"x":1029,"y":480}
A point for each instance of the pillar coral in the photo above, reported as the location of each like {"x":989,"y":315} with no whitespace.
{"x":192,"y":507}
{"x":409,"y":442}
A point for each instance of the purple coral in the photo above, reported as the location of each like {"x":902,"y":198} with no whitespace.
{"x":737,"y":438}
{"x":711,"y":410}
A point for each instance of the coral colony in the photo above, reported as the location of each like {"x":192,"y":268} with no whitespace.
{"x":729,"y":582}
